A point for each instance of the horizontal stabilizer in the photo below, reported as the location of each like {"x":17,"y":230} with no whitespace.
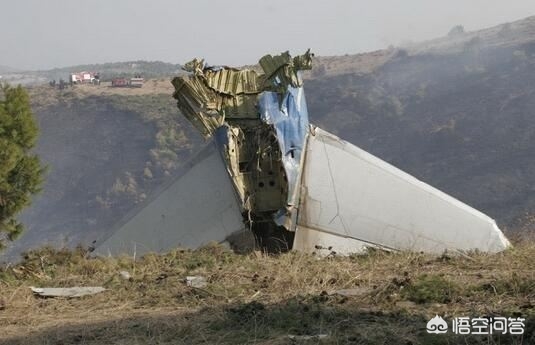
{"x":198,"y":207}
{"x":349,"y":193}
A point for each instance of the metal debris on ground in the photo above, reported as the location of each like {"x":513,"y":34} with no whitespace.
{"x":196,"y":281}
{"x":75,"y":291}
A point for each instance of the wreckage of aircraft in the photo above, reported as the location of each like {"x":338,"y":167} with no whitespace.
{"x":266,"y":171}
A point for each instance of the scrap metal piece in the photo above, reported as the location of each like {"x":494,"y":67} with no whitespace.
{"x":196,"y":281}
{"x":75,"y":291}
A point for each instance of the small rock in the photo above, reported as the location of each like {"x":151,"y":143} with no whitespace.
{"x":125,"y":275}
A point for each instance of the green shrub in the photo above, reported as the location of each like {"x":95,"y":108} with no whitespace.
{"x":429,"y":289}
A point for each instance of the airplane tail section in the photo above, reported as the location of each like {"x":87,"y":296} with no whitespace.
{"x":291,"y":185}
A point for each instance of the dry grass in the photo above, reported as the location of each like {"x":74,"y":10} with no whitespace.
{"x":260,"y":299}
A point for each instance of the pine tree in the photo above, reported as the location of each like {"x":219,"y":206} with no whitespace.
{"x":21,"y":172}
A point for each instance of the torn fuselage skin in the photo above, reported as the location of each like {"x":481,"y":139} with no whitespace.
{"x":260,"y":123}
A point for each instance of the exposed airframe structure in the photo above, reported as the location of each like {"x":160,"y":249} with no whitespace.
{"x":267,"y":171}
